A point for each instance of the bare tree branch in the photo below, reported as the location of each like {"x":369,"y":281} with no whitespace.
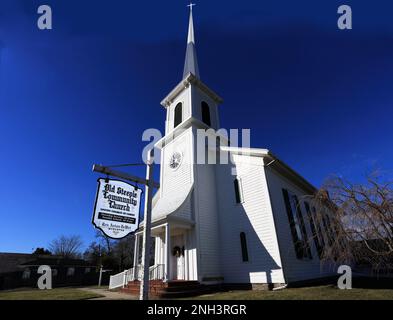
{"x":355,"y":222}
{"x":68,"y":247}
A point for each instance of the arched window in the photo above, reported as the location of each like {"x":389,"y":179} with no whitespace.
{"x":178,"y":114}
{"x":205,"y":113}
{"x":243,"y":243}
{"x":238,"y":194}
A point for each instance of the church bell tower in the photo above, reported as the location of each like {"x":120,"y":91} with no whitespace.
{"x":191,"y":98}
{"x":187,"y":197}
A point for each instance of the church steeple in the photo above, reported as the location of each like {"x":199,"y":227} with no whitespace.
{"x":191,"y":103}
{"x":191,"y":63}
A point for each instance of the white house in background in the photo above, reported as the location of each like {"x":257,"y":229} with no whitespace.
{"x":215,"y":227}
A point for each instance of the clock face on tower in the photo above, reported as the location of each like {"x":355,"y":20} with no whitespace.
{"x":175,"y":160}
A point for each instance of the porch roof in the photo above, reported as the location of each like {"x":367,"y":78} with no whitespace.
{"x":172,"y":220}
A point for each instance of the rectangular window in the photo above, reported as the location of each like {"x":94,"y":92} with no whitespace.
{"x":319,"y":226}
{"x":296,"y":223}
{"x":238,"y":190}
{"x":206,"y":113}
{"x":332,"y":232}
{"x":327,"y":228}
{"x":315,"y":229}
{"x":243,"y":243}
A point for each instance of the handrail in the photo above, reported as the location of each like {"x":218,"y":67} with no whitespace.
{"x":156,"y":272}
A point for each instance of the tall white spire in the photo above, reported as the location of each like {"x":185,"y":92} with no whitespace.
{"x":191,"y":63}
{"x":190,"y":37}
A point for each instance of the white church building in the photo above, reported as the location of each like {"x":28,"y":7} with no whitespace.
{"x":244,"y":222}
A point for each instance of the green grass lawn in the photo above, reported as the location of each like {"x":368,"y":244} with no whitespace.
{"x":309,"y":293}
{"x":54,"y":294}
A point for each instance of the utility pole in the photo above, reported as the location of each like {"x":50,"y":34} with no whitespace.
{"x":144,"y":288}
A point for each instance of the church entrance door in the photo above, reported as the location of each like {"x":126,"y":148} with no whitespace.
{"x":180,"y":267}
{"x":178,"y":271}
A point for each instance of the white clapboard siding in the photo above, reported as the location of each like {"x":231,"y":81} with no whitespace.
{"x":206,"y":215}
{"x":177,"y":180}
{"x":185,"y":210}
{"x":198,"y":96}
{"x":176,"y":185}
{"x":254,"y":217}
{"x":184,"y":99}
{"x":294,"y":269}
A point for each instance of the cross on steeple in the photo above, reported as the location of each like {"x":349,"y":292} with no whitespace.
{"x":191,"y":5}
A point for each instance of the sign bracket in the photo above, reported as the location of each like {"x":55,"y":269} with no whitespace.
{"x":123,"y":175}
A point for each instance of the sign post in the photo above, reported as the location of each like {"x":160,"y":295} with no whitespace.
{"x":144,"y":288}
{"x":149,"y":185}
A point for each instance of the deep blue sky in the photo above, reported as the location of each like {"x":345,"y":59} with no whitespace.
{"x":82,"y":93}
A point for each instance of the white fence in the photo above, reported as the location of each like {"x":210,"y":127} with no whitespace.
{"x":121,"y":279}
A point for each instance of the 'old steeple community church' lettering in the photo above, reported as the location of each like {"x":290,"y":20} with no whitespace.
{"x":115,"y":195}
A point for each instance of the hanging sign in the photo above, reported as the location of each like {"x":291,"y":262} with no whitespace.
{"x":116,"y":210}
